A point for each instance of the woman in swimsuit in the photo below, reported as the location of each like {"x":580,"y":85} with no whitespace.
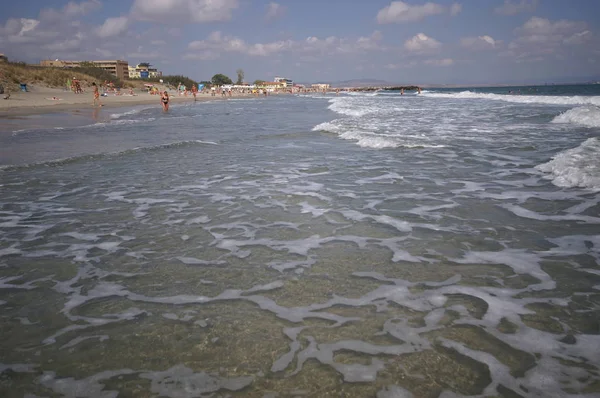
{"x":164,"y":99}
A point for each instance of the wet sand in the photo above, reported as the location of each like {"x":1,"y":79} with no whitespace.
{"x":40,"y":100}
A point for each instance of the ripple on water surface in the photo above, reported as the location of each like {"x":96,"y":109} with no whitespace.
{"x":318,"y":275}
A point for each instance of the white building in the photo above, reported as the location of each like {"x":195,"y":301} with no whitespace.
{"x":288,"y":82}
{"x":143,"y":71}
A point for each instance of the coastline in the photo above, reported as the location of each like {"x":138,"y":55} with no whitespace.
{"x":39,"y":101}
{"x":33,"y":110}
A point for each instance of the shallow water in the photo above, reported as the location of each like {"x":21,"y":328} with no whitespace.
{"x":356,"y":245}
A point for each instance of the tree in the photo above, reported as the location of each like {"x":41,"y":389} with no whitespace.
{"x":220,"y":79}
{"x":258,"y":82}
{"x":144,"y":65}
{"x":240,"y":75}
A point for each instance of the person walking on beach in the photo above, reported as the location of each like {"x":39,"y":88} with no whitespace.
{"x":164,"y":99}
{"x":96,"y":95}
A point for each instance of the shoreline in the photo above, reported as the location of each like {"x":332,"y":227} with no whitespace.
{"x":37,"y":103}
{"x":33,"y":110}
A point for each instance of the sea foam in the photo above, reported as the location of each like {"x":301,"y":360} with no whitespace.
{"x":588,"y":116}
{"x":576,"y":167}
{"x":523,"y":99}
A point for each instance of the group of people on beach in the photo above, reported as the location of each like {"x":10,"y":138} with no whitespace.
{"x":75,"y":86}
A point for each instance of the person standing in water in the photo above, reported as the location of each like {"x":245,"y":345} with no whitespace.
{"x":164,"y":99}
{"x":96,"y":95}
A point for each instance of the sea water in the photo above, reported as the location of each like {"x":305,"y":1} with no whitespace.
{"x":364,"y":244}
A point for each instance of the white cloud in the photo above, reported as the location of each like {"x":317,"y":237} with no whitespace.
{"x":540,"y":37}
{"x":73,"y":44}
{"x":142,"y":53}
{"x":455,"y":9}
{"x":372,"y":42}
{"x":106,"y":54}
{"x":202,"y":56}
{"x":542,"y":27}
{"x":422,"y":43}
{"x":27,"y":25}
{"x":484,"y":42}
{"x":399,"y":11}
{"x":26,"y":31}
{"x":183,"y":11}
{"x":409,"y":64}
{"x":74,"y":9}
{"x":511,"y":8}
{"x":69,"y":11}
{"x":217,"y":43}
{"x":440,"y":62}
{"x":58,"y":33}
{"x":274,"y":11}
{"x":579,"y":38}
{"x":112,"y":27}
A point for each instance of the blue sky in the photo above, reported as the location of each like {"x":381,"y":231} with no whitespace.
{"x":408,"y":42}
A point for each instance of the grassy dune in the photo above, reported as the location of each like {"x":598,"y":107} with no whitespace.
{"x":13,"y":74}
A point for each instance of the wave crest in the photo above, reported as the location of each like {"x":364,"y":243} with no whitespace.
{"x":576,"y":167}
{"x":588,"y":116}
{"x":522,"y":99}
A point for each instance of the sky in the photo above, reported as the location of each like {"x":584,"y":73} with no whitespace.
{"x":405,"y":42}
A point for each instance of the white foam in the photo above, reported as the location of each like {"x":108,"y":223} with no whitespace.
{"x":520,"y":261}
{"x":576,"y":167}
{"x":128,"y":113}
{"x":17,"y":367}
{"x":348,"y":106}
{"x":522,"y":99}
{"x":588,"y":116}
{"x":196,"y":261}
{"x":327,"y":126}
{"x":181,"y":381}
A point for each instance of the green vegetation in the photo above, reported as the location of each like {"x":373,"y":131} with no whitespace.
{"x":240,"y":76}
{"x":258,"y":82}
{"x":220,"y":79}
{"x":12,"y":74}
{"x":172,"y":80}
{"x":97,"y":73}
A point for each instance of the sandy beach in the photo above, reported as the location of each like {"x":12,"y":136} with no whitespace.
{"x":44,"y":107}
{"x":49,"y":100}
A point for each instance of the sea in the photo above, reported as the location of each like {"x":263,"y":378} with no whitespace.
{"x":366,"y":244}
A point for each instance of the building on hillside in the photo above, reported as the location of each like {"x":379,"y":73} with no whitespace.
{"x":117,"y":67}
{"x":143,"y":71}
{"x":3,"y":58}
{"x":288,"y":82}
{"x":320,"y":86}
